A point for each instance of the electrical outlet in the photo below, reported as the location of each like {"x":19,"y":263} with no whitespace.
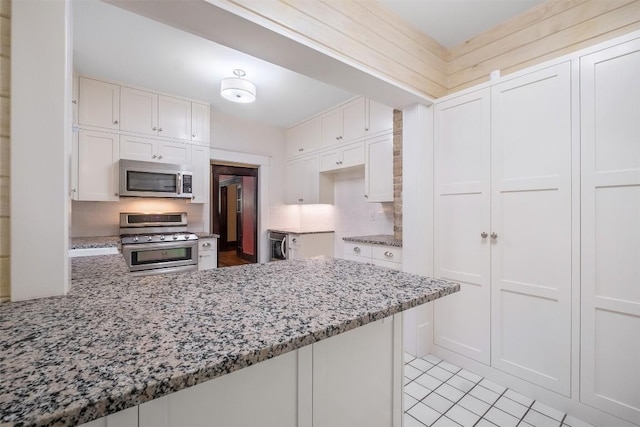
{"x":372,"y":216}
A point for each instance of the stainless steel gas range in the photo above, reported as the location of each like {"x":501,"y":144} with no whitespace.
{"x":158,"y":243}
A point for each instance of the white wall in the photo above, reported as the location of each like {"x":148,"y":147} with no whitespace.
{"x":244,"y":136}
{"x":40,"y":147}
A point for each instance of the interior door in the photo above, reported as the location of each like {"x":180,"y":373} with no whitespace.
{"x":531,"y":227}
{"x":462,"y":215}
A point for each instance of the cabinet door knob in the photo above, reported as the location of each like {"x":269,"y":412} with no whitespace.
{"x":74,"y":102}
{"x":115,"y":122}
{"x":154,"y":157}
{"x":484,"y":235}
{"x":160,"y":130}
{"x":494,"y":236}
{"x":356,"y":249}
{"x":366,"y":196}
{"x":337,"y":163}
{"x":154,"y":128}
{"x":159,"y":157}
{"x":193,"y":135}
{"x":388,"y":254}
{"x":300,"y":200}
{"x":337,"y":138}
{"x":116,"y":194}
{"x":300,"y":149}
{"x":366,"y":129}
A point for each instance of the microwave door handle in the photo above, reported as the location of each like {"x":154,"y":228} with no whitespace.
{"x":179,"y":186}
{"x":282,"y":247}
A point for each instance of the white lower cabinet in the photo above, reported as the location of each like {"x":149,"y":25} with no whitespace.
{"x":381,"y":255}
{"x":610,"y":271}
{"x":95,"y":173}
{"x":207,"y":254}
{"x":352,"y":379}
{"x":309,"y":245}
{"x":503,"y":226}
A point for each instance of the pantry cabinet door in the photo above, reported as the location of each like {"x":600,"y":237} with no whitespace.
{"x":201,"y":165}
{"x":462,"y":215}
{"x":610,"y":129}
{"x":98,"y":172}
{"x":139,"y":111}
{"x":531,"y":220}
{"x":98,"y":104}
{"x":174,"y":117}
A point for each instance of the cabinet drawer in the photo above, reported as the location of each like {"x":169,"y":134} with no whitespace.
{"x":387,"y":253}
{"x":357,"y":249}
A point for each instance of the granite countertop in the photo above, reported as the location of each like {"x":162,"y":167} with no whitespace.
{"x":98,"y":267}
{"x":116,"y":340}
{"x":203,"y":235}
{"x":95,"y":242}
{"x":299,"y":230}
{"x":378,"y":239}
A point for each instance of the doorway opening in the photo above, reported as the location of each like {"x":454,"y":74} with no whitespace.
{"x":235,"y":213}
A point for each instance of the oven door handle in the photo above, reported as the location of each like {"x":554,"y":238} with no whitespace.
{"x":283,"y":247}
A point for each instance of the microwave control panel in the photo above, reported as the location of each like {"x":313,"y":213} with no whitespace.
{"x":186,"y":183}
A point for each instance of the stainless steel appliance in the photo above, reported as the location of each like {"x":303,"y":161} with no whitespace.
{"x":277,"y":246}
{"x":158,"y":243}
{"x":149,"y":179}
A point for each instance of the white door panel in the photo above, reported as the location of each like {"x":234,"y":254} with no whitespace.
{"x":610,"y":270}
{"x":531,"y":219}
{"x":462,"y":214}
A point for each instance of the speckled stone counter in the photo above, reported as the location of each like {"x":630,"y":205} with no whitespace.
{"x":119,"y":341}
{"x":98,"y":267}
{"x":203,"y":235}
{"x":95,"y":242}
{"x":378,"y":239}
{"x":300,"y":230}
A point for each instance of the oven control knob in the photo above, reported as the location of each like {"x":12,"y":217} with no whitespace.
{"x":149,"y":238}
{"x":135,"y":239}
{"x":186,"y":237}
{"x":161,"y":237}
{"x":175,"y":237}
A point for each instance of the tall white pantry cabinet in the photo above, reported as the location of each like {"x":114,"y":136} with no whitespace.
{"x":537,"y":215}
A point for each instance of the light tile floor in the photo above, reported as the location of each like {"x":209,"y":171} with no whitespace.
{"x":439,"y":394}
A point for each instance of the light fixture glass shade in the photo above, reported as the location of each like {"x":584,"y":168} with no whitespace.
{"x":238,"y":90}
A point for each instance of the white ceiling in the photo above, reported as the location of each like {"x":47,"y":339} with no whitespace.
{"x":115,"y":44}
{"x":451,"y":22}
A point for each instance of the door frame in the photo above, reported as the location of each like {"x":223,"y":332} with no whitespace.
{"x":226,"y":169}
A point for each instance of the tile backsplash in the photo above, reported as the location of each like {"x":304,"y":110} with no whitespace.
{"x":89,"y":219}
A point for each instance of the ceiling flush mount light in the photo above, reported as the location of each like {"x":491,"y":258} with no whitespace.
{"x":238,"y":89}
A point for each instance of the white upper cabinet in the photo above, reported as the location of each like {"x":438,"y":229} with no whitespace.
{"x":354,"y":120}
{"x":98,"y":104}
{"x":331,"y":127}
{"x":174,"y":117}
{"x":379,"y":118}
{"x":610,"y":212}
{"x":200,"y":123}
{"x":351,"y":122}
{"x":531,"y":228}
{"x":154,"y":150}
{"x":305,"y":183}
{"x":95,"y":166}
{"x":139,"y":111}
{"x":342,"y":157}
{"x":201,"y":165}
{"x":378,"y":169}
{"x":462,"y":214}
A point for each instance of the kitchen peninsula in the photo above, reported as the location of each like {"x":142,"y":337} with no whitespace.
{"x":117,"y":342}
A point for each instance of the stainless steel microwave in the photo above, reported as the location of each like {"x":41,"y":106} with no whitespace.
{"x":149,"y":179}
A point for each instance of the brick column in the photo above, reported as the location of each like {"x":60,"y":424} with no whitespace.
{"x":397,"y":174}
